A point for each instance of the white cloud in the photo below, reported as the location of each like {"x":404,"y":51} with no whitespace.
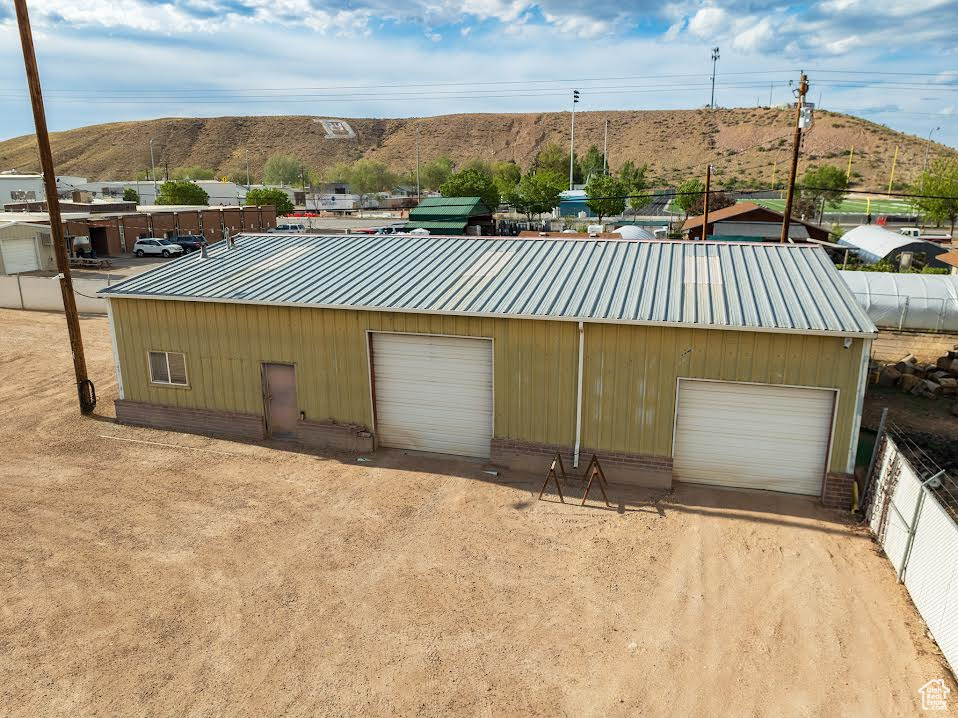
{"x":708,"y":22}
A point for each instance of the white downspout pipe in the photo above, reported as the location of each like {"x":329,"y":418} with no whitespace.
{"x":578,"y":399}
{"x":859,"y":403}
{"x":116,"y":353}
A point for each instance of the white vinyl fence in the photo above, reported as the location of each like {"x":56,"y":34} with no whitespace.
{"x":43,"y":293}
{"x":912,"y":508}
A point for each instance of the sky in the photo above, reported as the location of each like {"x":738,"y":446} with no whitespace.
{"x":894,"y":63}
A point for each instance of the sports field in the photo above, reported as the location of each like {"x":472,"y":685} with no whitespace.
{"x":850,"y":206}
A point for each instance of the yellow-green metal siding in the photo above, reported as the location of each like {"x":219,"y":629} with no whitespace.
{"x":629,"y":383}
{"x":628,"y":388}
{"x":225,"y":345}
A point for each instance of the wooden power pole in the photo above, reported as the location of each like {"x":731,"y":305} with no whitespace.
{"x":85,"y":390}
{"x":705,"y":215}
{"x":802,"y":90}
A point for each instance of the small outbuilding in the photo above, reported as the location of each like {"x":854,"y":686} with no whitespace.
{"x":875,"y":244}
{"x":452,"y":216}
{"x":711,"y":362}
{"x":749,"y":222}
{"x":25,"y":247}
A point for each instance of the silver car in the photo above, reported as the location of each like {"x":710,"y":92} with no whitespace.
{"x":152,"y":245}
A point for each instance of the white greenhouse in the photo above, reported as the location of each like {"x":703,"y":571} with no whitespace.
{"x":923,"y":302}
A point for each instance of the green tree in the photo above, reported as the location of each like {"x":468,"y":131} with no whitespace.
{"x":687,"y":193}
{"x":536,"y":193}
{"x":432,"y":174}
{"x":506,"y":175}
{"x":193,"y":172}
{"x":938,"y":187}
{"x":554,"y":158}
{"x":275,"y":197}
{"x":825,"y":185}
{"x":479,"y":166}
{"x":606,"y":195}
{"x":182,"y":192}
{"x":472,"y":183}
{"x":637,"y":181}
{"x":593,"y":163}
{"x":718,"y":200}
{"x":368,"y":177}
{"x":282,"y":169}
{"x":131,"y":195}
{"x":338,"y":173}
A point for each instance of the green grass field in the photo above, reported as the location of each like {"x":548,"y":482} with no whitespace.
{"x":850,"y":206}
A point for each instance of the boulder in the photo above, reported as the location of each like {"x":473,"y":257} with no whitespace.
{"x":949,"y":385}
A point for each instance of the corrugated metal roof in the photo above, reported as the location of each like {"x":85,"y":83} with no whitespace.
{"x":767,"y":287}
{"x":439,"y":208}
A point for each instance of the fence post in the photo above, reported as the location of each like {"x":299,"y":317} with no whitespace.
{"x":919,"y":503}
{"x":20,"y":292}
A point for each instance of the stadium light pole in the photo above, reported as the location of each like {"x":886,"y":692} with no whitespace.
{"x":575,"y":100}
{"x":715,"y":57}
{"x":924,"y":160}
{"x":153,"y":170}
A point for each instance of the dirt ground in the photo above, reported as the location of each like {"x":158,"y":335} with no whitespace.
{"x":930,"y":423}
{"x":154,"y":573}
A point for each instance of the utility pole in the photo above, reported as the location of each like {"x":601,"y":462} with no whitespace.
{"x":786,"y":220}
{"x":891,"y":177}
{"x":715,"y":57}
{"x":418,"y":185}
{"x":605,"y":149}
{"x":770,"y":87}
{"x":247,"y":169}
{"x":705,"y":215}
{"x":85,"y":390}
{"x":575,"y":100}
{"x":153,"y":170}
{"x":848,"y":172}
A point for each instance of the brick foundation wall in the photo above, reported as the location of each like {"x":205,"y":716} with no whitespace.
{"x":228,"y":424}
{"x":619,"y":467}
{"x":838,"y":491}
{"x":329,"y":435}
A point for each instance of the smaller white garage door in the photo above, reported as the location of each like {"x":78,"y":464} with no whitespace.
{"x":757,"y":436}
{"x":433,"y":393}
{"x":19,"y":255}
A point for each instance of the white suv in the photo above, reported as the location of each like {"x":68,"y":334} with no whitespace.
{"x":287,"y":228}
{"x":152,"y":245}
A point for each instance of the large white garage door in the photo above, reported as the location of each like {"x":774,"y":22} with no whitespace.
{"x":756,"y":436}
{"x":19,"y":255}
{"x":433,"y":393}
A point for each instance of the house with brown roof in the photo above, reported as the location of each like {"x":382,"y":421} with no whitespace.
{"x":749,"y":222}
{"x":951,"y":259}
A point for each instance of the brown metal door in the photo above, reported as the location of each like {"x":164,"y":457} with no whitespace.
{"x":282,"y":411}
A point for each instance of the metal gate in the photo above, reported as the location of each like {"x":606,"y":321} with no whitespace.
{"x":912,"y":509}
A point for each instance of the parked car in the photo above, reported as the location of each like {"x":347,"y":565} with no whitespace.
{"x":288,"y":228}
{"x":189,"y":242}
{"x":394,"y":228}
{"x":153,"y":245}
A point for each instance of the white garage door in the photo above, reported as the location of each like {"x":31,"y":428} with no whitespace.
{"x":19,"y":255}
{"x":433,"y":393}
{"x":756,"y":436}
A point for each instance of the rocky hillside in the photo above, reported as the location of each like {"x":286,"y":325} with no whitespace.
{"x":748,"y":145}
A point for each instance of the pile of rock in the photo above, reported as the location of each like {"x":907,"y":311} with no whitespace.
{"x":928,"y":380}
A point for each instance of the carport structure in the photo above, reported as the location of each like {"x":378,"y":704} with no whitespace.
{"x":714,"y":362}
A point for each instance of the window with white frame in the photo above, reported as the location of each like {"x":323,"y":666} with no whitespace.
{"x":168,"y":368}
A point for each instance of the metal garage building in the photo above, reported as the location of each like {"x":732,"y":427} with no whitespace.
{"x":724,"y":363}
{"x":25,"y":247}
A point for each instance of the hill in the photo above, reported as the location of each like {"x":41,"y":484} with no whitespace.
{"x":749,"y":145}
